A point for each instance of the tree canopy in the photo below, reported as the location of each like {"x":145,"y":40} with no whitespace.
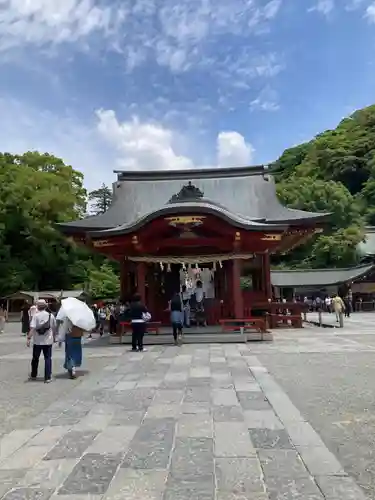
{"x":37,"y":191}
{"x":100,"y":199}
{"x":335,"y":173}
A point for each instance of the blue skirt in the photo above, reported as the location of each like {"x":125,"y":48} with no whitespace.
{"x":177,"y":317}
{"x":73,"y":352}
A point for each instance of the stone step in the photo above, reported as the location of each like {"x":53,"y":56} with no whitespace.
{"x":201,"y":338}
{"x":191,"y":338}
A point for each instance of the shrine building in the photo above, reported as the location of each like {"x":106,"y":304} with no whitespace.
{"x":169,"y":228}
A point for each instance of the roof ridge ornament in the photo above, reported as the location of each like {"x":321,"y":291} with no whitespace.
{"x":188,"y":192}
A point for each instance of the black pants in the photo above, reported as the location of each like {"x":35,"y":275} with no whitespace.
{"x":112,"y":324}
{"x":47,"y":353}
{"x":138,"y":331}
{"x":177,"y":329}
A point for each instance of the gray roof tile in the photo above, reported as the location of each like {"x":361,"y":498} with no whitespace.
{"x":248,"y":194}
{"x":317,"y":277}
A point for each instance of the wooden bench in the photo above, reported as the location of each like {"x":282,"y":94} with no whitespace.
{"x":152,"y":326}
{"x":232,"y":325}
{"x":294,"y":319}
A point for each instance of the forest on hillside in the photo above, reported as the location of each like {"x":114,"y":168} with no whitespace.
{"x":335,"y":172}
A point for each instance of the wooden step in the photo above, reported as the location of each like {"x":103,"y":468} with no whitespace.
{"x":199,"y":338}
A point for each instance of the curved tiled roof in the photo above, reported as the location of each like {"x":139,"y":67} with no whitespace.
{"x":243,"y":195}
{"x":191,"y":207}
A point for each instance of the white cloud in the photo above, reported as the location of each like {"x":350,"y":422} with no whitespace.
{"x":241,"y":71}
{"x":233,"y":150}
{"x":370,"y":13}
{"x":141,"y":145}
{"x":188,"y":28}
{"x":267,"y":100}
{"x":42,"y":22}
{"x":354,"y":4}
{"x":24,"y":128}
{"x":324,"y":7}
{"x":178,"y":35}
{"x":272,"y":8}
{"x":99,"y":146}
{"x":150,"y":146}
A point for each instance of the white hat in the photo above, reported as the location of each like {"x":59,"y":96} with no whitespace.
{"x":41,"y":302}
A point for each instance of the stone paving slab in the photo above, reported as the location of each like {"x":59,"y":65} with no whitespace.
{"x":204,"y":422}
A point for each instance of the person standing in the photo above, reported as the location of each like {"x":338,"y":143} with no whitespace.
{"x":185,"y":295}
{"x":177,"y":317}
{"x":25,"y":318}
{"x":338,"y":306}
{"x":318,"y":303}
{"x":72,"y":337}
{"x":114,"y":311}
{"x":3,"y":318}
{"x":43,"y":333}
{"x":328,"y":302}
{"x":199,"y":304}
{"x":348,"y":306}
{"x":139,"y":315}
{"x":102,"y":315}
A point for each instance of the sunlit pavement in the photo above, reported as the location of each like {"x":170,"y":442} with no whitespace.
{"x":291,"y":419}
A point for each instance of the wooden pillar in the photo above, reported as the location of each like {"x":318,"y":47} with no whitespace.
{"x":228,"y":300}
{"x":151,"y":289}
{"x":124,"y":280}
{"x":141,"y":280}
{"x":236,"y":289}
{"x":267,"y":275}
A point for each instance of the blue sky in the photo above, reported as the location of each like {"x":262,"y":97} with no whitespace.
{"x":150,"y":84}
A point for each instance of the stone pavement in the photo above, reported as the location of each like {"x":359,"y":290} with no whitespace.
{"x":358,"y":322}
{"x":203,"y":422}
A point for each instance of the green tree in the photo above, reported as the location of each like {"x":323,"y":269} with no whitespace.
{"x":103,"y":282}
{"x":36,"y":192}
{"x":337,"y":250}
{"x":314,"y":195}
{"x":346,"y":154}
{"x":335,"y":172}
{"x":101,"y":199}
{"x":337,"y":246}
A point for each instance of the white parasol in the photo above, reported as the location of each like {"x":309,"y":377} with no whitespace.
{"x":78,"y":312}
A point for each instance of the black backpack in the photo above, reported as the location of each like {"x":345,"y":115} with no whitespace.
{"x":44,"y":327}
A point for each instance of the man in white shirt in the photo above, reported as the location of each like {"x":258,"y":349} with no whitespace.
{"x":199,"y":304}
{"x":43,"y":332}
{"x":328,"y":302}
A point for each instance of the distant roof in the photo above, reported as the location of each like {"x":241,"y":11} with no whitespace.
{"x":317,"y":277}
{"x":246,"y":194}
{"x":367,"y":247}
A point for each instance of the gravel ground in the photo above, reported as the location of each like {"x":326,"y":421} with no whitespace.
{"x":336,"y":393}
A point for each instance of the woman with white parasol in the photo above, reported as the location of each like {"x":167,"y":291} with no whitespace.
{"x":74,"y":318}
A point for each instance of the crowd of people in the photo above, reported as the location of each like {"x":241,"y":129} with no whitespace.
{"x":331,"y":304}
{"x":185,"y":306}
{"x":39,"y":324}
{"x":42,"y":329}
